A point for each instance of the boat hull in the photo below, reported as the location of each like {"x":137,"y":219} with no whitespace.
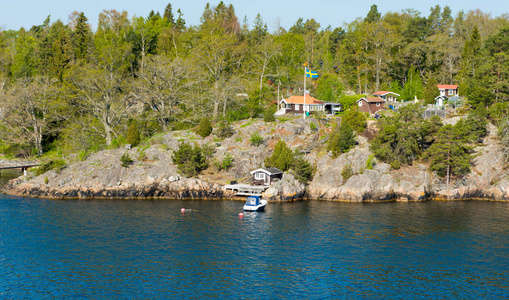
{"x":259,"y":207}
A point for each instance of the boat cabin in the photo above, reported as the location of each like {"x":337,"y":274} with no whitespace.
{"x":265,"y":176}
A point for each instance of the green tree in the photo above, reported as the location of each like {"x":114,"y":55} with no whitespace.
{"x":190,"y":160}
{"x":355,"y":119}
{"x":373,"y":15}
{"x":204,"y":128}
{"x":448,"y":155}
{"x":133,"y":134}
{"x":431,"y":90}
{"x":281,"y":158}
{"x":302,"y":169}
{"x":341,"y":140}
{"x":413,"y":87}
{"x":329,"y":88}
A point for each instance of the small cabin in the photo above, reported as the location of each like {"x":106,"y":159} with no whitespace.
{"x":448,"y":90}
{"x":371,"y":104}
{"x":266,"y":176}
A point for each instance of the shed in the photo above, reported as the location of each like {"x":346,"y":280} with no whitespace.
{"x":265,"y":176}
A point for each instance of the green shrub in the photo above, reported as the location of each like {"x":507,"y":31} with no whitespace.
{"x":54,"y":164}
{"x":125,"y":160}
{"x":303,"y":170}
{"x":225,"y":130}
{"x":371,"y":162}
{"x":341,"y":140}
{"x":346,"y":172}
{"x":46,"y":180}
{"x":204,"y":128}
{"x":395,"y":165}
{"x":281,"y":158}
{"x":190,"y":160}
{"x":227,"y":162}
{"x":83,"y":154}
{"x":350,"y":100}
{"x":256,"y":139}
{"x":312,"y":126}
{"x":355,"y":119}
{"x":268,"y":115}
{"x":133,"y":134}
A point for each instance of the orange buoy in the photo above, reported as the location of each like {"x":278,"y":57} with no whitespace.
{"x":182,"y":210}
{"x":241,"y":215}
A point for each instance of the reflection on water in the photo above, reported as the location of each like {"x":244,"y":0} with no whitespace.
{"x":7,"y":175}
{"x":149,"y":249}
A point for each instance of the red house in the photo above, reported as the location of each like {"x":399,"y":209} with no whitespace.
{"x":371,"y":104}
{"x":448,"y":90}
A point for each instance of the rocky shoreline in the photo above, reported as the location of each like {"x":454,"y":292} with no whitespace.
{"x":153,"y":175}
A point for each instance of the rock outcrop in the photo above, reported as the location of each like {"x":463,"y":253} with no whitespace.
{"x":153,"y":174}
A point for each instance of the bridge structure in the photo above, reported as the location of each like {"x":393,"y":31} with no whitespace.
{"x":17,"y":164}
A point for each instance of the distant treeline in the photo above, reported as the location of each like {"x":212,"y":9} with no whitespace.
{"x":64,"y":87}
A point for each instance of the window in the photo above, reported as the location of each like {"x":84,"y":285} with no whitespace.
{"x":259,"y":176}
{"x":297,"y":107}
{"x":360,"y":103}
{"x":378,"y":104}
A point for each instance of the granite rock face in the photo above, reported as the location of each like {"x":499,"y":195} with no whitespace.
{"x":153,"y":174}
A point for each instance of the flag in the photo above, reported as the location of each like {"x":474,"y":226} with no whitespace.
{"x":312,"y":74}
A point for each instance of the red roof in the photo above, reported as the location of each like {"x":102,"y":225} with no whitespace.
{"x":447,"y":86}
{"x":300,"y":100}
{"x":381,"y":93}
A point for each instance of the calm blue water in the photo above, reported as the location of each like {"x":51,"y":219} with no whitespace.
{"x":84,"y":249}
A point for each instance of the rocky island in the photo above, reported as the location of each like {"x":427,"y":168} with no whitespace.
{"x":152,"y":174}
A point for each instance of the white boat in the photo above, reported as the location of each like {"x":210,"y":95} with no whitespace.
{"x":255,"y":203}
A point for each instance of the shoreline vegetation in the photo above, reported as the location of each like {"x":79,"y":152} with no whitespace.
{"x":149,"y":107}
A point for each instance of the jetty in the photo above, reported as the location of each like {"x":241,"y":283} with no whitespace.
{"x":246,"y":189}
{"x":17,"y":164}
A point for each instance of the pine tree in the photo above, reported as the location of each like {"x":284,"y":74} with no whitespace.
{"x":431,"y":90}
{"x":281,"y":158}
{"x":133,"y":134}
{"x":448,"y":155}
{"x":168,"y":15}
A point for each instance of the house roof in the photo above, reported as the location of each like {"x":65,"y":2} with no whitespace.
{"x":371,"y":99}
{"x":268,"y":171}
{"x":447,"y":86}
{"x":300,"y":100}
{"x":382,"y":93}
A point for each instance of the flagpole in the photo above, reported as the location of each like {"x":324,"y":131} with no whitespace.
{"x":304,"y":107}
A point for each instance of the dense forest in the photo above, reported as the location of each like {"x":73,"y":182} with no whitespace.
{"x":65,"y":88}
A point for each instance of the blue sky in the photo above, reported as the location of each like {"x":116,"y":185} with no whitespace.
{"x":25,"y":13}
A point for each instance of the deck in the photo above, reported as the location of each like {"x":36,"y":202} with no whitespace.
{"x":17,"y":164}
{"x":246,"y":189}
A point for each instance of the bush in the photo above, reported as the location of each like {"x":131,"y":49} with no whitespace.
{"x":204,"y":128}
{"x":281,"y":158}
{"x":268,"y":115}
{"x":347,"y":172}
{"x":227,"y":162}
{"x":256,"y":139}
{"x":371,"y":162}
{"x":133,"y":134}
{"x":355,"y":119}
{"x":190,"y":160}
{"x":312,"y":126}
{"x":56,"y":164}
{"x":349,"y":101}
{"x":341,"y":140}
{"x":225,"y":130}
{"x":125,"y":160}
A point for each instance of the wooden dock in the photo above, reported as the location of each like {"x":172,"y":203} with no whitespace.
{"x":246,"y":189}
{"x":17,"y":164}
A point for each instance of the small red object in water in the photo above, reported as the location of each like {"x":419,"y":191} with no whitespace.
{"x":241,"y":215}
{"x":182,"y":210}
